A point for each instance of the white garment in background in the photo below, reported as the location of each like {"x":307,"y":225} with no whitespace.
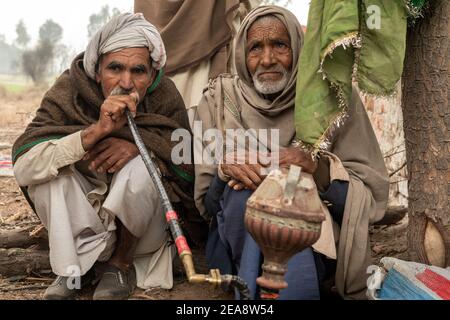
{"x":191,"y":83}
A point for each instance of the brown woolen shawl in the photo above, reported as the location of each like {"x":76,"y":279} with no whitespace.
{"x":192,"y":30}
{"x":73,"y":103}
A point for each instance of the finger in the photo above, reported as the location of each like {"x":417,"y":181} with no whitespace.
{"x":131,"y":105}
{"x":238,"y":187}
{"x":98,"y":148}
{"x":135,"y":97}
{"x":232,"y":183}
{"x":102,"y":162}
{"x":112,"y":161}
{"x":235,"y":185}
{"x":123,"y":157}
{"x":115,"y":108}
{"x":118,"y":111}
{"x":239,"y":175}
{"x":118,"y":165}
{"x":110,"y":106}
{"x":242,"y":177}
{"x":130,"y":101}
{"x":253,"y":176}
{"x":107,"y":165}
{"x":126,"y":97}
{"x":260,"y":170}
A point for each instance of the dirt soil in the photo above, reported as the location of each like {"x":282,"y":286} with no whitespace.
{"x":15,"y":213}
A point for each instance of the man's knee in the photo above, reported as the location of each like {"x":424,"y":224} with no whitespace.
{"x":61,"y":183}
{"x":235,"y":202}
{"x":136,"y":176}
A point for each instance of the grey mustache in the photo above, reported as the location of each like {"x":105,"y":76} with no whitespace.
{"x":277,"y":68}
{"x":118,"y":91}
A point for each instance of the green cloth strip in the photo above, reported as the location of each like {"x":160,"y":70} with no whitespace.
{"x":156,"y":82}
{"x":182,"y":174}
{"x":32,"y":144}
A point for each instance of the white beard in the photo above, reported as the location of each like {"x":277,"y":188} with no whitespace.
{"x":271,"y":87}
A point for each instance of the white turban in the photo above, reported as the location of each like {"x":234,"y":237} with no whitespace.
{"x":127,"y":30}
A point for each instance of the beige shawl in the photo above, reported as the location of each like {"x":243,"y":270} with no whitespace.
{"x":356,"y":158}
{"x":230,"y":102}
{"x":192,"y":30}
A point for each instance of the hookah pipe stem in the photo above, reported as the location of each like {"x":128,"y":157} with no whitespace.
{"x":171,"y":215}
{"x":184,"y":252}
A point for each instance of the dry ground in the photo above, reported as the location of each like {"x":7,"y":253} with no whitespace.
{"x":16,"y":111}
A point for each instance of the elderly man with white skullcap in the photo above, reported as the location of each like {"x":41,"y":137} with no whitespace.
{"x":81,"y":171}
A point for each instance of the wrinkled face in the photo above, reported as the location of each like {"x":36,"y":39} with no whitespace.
{"x":269,"y":55}
{"x":128,"y":69}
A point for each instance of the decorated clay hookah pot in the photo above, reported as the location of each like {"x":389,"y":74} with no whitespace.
{"x":284,"y":216}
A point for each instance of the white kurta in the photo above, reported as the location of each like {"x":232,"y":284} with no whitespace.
{"x":79,"y":211}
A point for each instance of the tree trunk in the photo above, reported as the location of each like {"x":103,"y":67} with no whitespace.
{"x":21,"y":238}
{"x":426,"y":115}
{"x":14,"y":262}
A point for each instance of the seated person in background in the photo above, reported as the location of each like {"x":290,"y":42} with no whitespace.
{"x":352,"y":179}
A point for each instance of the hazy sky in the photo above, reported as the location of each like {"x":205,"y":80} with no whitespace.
{"x":73,"y":16}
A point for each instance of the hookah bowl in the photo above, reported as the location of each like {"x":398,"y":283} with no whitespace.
{"x":284,"y":216}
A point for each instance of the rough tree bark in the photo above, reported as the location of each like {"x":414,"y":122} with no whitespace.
{"x":19,"y":261}
{"x":21,"y":238}
{"x":426,"y":113}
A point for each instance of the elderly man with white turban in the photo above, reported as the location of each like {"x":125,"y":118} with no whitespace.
{"x":81,"y":172}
